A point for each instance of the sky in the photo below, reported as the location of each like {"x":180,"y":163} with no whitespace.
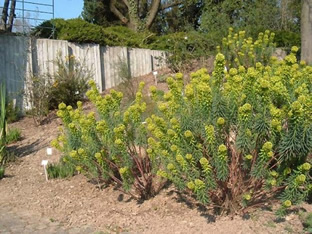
{"x":67,"y":8}
{"x":62,"y":8}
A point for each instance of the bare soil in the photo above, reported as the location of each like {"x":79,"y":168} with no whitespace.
{"x":75,"y":202}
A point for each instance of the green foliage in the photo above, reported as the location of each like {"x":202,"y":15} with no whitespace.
{"x":112,"y":148}
{"x":80,"y":31}
{"x":2,"y":171}
{"x":13,"y":135}
{"x":287,"y":39}
{"x":183,"y":48}
{"x":306,"y":219}
{"x":70,"y":82}
{"x":240,"y":137}
{"x":60,"y":170}
{"x":13,"y":112}
{"x":3,"y":124}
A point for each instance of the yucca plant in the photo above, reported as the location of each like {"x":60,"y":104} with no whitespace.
{"x":3,"y":123}
{"x":240,"y":138}
{"x":110,"y":145}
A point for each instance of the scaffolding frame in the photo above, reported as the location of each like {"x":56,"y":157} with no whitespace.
{"x":26,"y":19}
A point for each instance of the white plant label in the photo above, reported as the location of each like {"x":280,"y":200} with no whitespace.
{"x":49,"y":151}
{"x":155,"y":73}
{"x":44,"y":162}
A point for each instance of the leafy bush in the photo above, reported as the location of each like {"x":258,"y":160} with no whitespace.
{"x":287,"y":39}
{"x":60,"y":170}
{"x":13,"y":135}
{"x":70,"y":82}
{"x":37,"y":95}
{"x":111,"y":149}
{"x":240,"y":138}
{"x":80,"y":31}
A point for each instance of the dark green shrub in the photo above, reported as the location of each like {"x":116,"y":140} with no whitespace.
{"x":60,"y":170}
{"x":70,"y":82}
{"x":287,"y":39}
{"x":13,"y":135}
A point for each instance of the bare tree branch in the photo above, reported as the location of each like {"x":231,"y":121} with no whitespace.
{"x":12,"y":15}
{"x":152,"y":13}
{"x":116,"y":12}
{"x":126,"y":3}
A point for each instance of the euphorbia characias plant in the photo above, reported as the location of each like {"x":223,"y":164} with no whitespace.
{"x":238,"y":138}
{"x":110,"y":145}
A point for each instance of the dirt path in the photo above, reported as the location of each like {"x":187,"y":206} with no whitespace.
{"x":30,"y":204}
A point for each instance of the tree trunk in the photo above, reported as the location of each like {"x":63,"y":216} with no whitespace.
{"x":306,"y":31}
{"x":3,"y":24}
{"x":12,"y":16}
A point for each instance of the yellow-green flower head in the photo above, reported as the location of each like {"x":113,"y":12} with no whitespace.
{"x":91,"y":82}
{"x":81,"y":151}
{"x":245,"y":108}
{"x":149,"y":151}
{"x":71,"y":125}
{"x":171,"y":133}
{"x":294,"y":49}
{"x":189,"y":156}
{"x":54,"y":143}
{"x":274,"y":173}
{"x":162,"y":106}
{"x":300,"y":179}
{"x":204,"y":161}
{"x":199,"y":183}
{"x":153,"y":89}
{"x":62,"y":106}
{"x":174,"y":121}
{"x":139,"y":95}
{"x":91,"y":115}
{"x":162,"y":173}
{"x":306,"y":166}
{"x":170,"y":166}
{"x":118,"y":141}
{"x":222,"y":148}
{"x":73,"y":154}
{"x":287,"y":171}
{"x":247,"y":197}
{"x":170,"y":80}
{"x":151,"y":141}
{"x":220,"y":57}
{"x":191,"y":185}
{"x":179,"y":76}
{"x":220,"y":121}
{"x":123,"y":170}
{"x":79,"y":104}
{"x":78,"y":168}
{"x":233,"y":71}
{"x":98,"y":156}
{"x":267,"y":146}
{"x":142,"y":84}
{"x":273,"y":182}
{"x":60,"y":113}
{"x":248,"y":157}
{"x":188,"y":134}
{"x":174,"y":148}
{"x":287,"y":203}
{"x":270,"y":154}
{"x":69,"y":108}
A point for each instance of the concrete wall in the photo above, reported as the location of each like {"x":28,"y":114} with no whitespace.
{"x":22,"y":57}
